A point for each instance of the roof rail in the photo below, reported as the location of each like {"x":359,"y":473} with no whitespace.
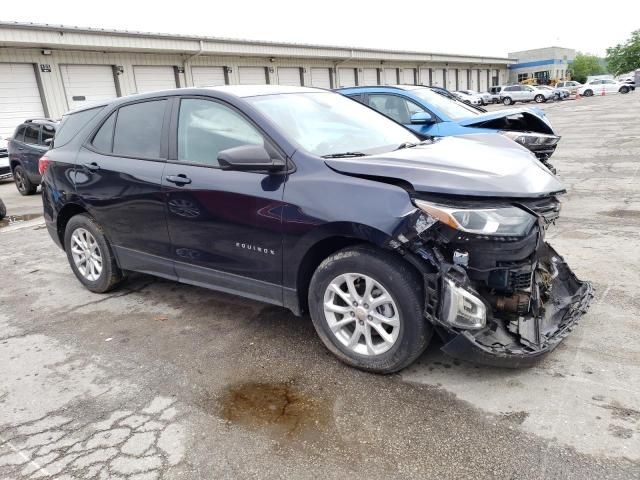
{"x":32,"y":120}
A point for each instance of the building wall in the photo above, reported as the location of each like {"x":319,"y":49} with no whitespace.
{"x":56,"y":101}
{"x":555,"y":60}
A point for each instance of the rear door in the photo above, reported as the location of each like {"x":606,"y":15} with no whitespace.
{"x":119,"y":174}
{"x":225,"y":226}
{"x":32,"y":151}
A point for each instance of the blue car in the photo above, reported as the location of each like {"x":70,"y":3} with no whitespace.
{"x":430,"y":113}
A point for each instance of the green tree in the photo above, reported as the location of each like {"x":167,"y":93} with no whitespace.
{"x":624,"y":58}
{"x":584,"y":65}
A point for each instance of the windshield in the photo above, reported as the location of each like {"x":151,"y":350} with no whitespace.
{"x":325,"y":123}
{"x":452,"y":109}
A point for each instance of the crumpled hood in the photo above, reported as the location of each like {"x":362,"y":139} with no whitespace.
{"x":485,"y":165}
{"x":485,"y":117}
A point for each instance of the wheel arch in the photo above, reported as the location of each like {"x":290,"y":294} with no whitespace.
{"x":67,"y":212}
{"x":324,"y":246}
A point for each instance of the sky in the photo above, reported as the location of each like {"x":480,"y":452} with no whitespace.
{"x":461,"y":27}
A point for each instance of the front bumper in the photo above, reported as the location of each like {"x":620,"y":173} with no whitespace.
{"x":521,"y":341}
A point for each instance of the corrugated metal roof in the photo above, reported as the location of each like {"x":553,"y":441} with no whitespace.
{"x":132,"y":40}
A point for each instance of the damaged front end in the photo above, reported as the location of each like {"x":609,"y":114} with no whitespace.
{"x":495,"y":291}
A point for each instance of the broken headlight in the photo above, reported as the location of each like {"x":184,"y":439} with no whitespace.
{"x":500,"y":221}
{"x":527,"y":139}
{"x":461,"y":308}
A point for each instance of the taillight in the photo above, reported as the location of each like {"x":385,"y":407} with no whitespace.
{"x":43,"y":163}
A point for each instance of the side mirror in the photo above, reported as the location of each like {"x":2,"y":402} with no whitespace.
{"x":422,"y":118}
{"x":249,"y":158}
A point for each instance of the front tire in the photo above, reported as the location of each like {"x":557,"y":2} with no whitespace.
{"x":539,"y":98}
{"x":588,"y":93}
{"x":90,"y":255}
{"x":507,"y":101}
{"x":624,"y":90}
{"x":23,"y":184}
{"x":367,"y":307}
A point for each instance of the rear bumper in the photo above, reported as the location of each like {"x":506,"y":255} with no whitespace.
{"x":523,"y":341}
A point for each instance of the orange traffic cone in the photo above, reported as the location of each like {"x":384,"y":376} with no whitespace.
{"x":578,"y":97}
{"x":602,"y":94}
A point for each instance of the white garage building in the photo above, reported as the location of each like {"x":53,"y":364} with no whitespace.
{"x":46,"y":70}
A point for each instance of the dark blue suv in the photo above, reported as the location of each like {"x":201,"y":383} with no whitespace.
{"x":302,"y":198}
{"x":30,"y":141}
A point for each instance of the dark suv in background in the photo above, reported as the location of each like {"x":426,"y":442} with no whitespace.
{"x":303,"y":198}
{"x":30,"y":141}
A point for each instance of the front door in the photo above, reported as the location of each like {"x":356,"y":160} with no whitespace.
{"x":118,"y":174}
{"x":225,"y":226}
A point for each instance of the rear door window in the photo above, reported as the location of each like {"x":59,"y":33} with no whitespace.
{"x":19,"y":136}
{"x":103,"y":139}
{"x":138,"y":129}
{"x":32,"y":134}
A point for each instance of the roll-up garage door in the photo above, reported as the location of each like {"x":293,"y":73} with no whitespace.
{"x":369,"y":76}
{"x":390,"y":76}
{"x":87,"y":84}
{"x":151,"y":78}
{"x":19,"y":96}
{"x":484,"y":84}
{"x":321,"y":77}
{"x":207,"y":76}
{"x":407,"y":76}
{"x":462,"y":79}
{"x":438,"y":77}
{"x":289,"y":76}
{"x":451,"y":79}
{"x":346,"y":77}
{"x":252,"y":75}
{"x":473,"y":79}
{"x":424,"y":76}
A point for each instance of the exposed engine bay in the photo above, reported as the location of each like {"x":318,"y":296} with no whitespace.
{"x":494,"y":299}
{"x":527,"y":129}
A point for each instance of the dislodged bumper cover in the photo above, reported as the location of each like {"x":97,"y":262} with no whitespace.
{"x":538,"y":333}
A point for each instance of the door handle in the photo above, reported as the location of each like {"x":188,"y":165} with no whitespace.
{"x":179,"y":180}
{"x":20,"y":148}
{"x":93,"y":166}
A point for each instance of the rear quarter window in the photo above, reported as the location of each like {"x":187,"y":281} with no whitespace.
{"x":72,"y":123}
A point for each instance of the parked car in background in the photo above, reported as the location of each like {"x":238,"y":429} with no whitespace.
{"x":470,"y":97}
{"x":494,"y":93}
{"x":429,"y":113}
{"x":30,"y":141}
{"x":600,"y":86}
{"x":5,"y":169}
{"x":383,"y":237}
{"x":570,"y":85}
{"x":524,"y":93}
{"x":558,"y":93}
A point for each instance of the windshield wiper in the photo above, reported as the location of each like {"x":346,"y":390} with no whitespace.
{"x":411,"y":144}
{"x":345,"y":155}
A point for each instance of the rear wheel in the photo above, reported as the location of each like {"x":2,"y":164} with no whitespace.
{"x":507,"y":101}
{"x":90,"y":255}
{"x":366,"y":306}
{"x":588,"y":93}
{"x":539,"y":98}
{"x":23,"y":184}
{"x":624,"y":90}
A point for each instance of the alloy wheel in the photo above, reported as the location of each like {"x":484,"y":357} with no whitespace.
{"x":86,"y":254}
{"x":19,"y":178}
{"x":361,"y":314}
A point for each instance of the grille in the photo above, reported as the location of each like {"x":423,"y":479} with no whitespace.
{"x":549,"y":208}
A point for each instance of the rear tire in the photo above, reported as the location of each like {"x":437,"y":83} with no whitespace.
{"x":90,"y":255}
{"x":23,"y":184}
{"x":382,"y":338}
{"x":507,"y":101}
{"x":539,"y":99}
{"x":624,"y":90}
{"x":588,"y":93}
